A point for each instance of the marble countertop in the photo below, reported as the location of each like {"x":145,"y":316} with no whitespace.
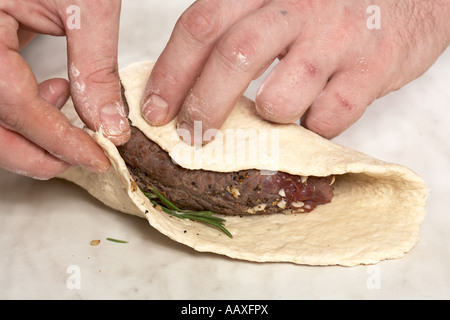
{"x":46,"y":227}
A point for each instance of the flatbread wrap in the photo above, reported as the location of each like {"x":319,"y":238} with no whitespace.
{"x":374,"y":214}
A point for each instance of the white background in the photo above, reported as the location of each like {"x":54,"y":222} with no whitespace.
{"x":46,"y":227}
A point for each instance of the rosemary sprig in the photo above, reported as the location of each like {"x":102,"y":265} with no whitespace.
{"x":206,"y":217}
{"x":116,"y":240}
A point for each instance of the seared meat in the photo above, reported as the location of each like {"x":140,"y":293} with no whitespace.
{"x":242,"y":192}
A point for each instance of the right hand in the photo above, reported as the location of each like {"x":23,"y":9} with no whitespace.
{"x":332,"y":65}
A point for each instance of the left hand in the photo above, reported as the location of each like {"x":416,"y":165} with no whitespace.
{"x":36,"y":139}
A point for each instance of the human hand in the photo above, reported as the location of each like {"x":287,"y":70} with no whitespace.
{"x":36,"y":139}
{"x":333,"y":64}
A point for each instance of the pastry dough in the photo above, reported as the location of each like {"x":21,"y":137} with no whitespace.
{"x":375,"y":214}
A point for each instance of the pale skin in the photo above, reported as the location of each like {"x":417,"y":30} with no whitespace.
{"x":331,"y":68}
{"x":38,"y":139}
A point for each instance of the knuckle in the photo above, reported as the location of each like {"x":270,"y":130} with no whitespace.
{"x":12,"y":120}
{"x":311,"y":70}
{"x":102,"y":71}
{"x":351,"y":104}
{"x":202,"y":21}
{"x":238,"y":52}
{"x":164,"y":80}
{"x":343,"y":103}
{"x":334,"y":115}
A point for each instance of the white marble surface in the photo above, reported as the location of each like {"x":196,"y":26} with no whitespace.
{"x":46,"y":227}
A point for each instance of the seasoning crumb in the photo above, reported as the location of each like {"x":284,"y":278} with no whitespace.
{"x":233,"y":191}
{"x":95,"y":242}
{"x":134,"y":186}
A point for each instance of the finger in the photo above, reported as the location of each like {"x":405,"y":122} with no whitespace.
{"x":234,"y":62}
{"x":26,"y":158}
{"x":293,"y":84}
{"x":93,"y":70}
{"x":55,"y":91}
{"x":25,"y":37}
{"x":34,"y":161}
{"x":343,"y":101}
{"x":25,"y":112}
{"x":181,"y":62}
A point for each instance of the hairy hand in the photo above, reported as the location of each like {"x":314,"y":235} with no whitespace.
{"x":333,"y":61}
{"x":37,"y":140}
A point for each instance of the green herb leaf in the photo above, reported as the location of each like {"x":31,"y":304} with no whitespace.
{"x":116,"y":240}
{"x":206,"y":217}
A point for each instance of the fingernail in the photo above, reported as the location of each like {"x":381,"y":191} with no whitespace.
{"x":61,"y":101}
{"x":155,"y":110}
{"x":113,"y":122}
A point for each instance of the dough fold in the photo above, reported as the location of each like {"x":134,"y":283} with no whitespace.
{"x":375,"y":214}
